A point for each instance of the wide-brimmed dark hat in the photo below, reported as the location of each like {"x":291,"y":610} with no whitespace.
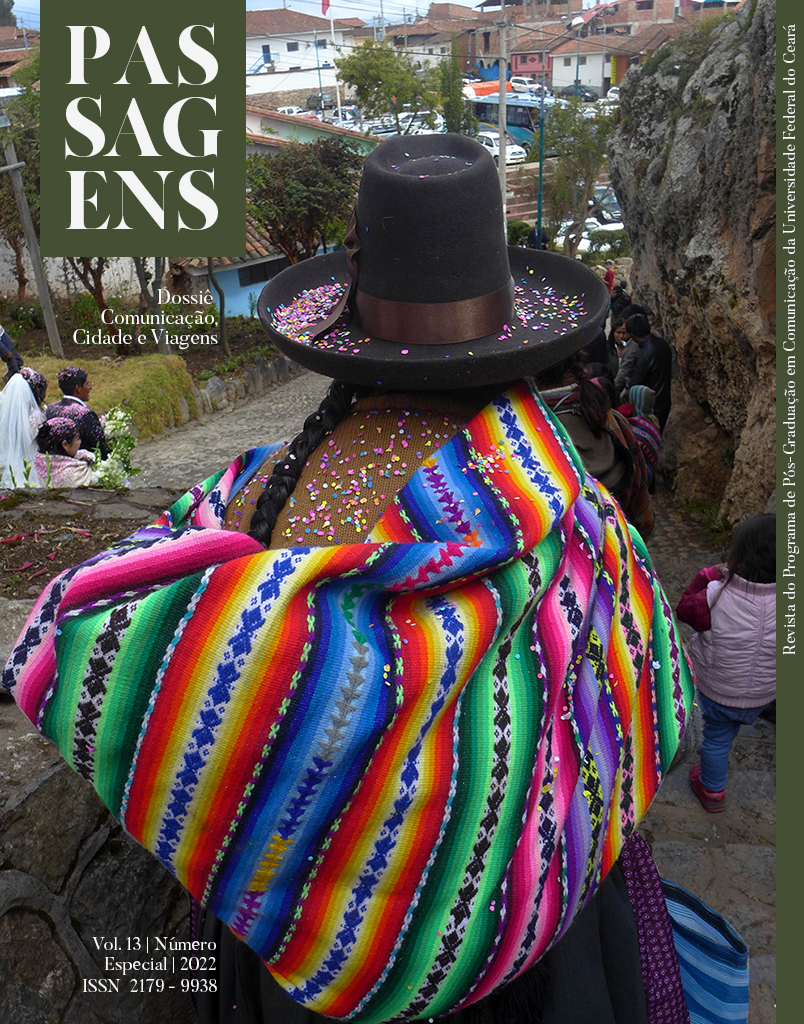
{"x":426,"y":294}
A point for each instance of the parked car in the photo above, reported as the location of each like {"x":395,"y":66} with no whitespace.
{"x":613,"y":95}
{"x":423,"y":122}
{"x":581,"y":91}
{"x":320,"y":100}
{"x":521,"y":84}
{"x":608,"y":208}
{"x":289,"y":110}
{"x":514,"y":154}
{"x":383,"y":128}
{"x":589,"y":227}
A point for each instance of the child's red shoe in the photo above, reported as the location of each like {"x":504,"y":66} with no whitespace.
{"x":712,"y":802}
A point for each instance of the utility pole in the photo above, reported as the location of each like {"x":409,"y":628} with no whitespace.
{"x":337,"y":87}
{"x":14,"y":169}
{"x":502,"y":114}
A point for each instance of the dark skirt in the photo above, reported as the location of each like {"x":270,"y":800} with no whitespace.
{"x":592,"y":976}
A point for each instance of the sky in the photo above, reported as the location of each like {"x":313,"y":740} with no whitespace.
{"x":27,"y":11}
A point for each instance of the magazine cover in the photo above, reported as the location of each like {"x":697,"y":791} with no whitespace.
{"x":388,"y":509}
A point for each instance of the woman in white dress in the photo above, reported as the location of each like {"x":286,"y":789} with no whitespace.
{"x":21,"y":416}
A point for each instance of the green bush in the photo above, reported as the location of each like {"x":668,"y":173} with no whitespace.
{"x":83,"y":310}
{"x":517,"y":230}
{"x":608,"y":245}
{"x":25,"y":316}
{"x":222,"y":369}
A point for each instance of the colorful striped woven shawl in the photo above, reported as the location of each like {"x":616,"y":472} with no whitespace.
{"x":396,"y":769}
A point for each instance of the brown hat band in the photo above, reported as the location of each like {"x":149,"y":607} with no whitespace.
{"x":435,"y":323}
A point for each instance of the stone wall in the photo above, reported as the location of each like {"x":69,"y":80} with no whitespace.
{"x":693,"y":163}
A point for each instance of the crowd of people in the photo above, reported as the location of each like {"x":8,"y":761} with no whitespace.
{"x":469,"y":685}
{"x":58,"y":445}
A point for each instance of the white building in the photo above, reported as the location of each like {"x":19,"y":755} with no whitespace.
{"x":287,"y":50}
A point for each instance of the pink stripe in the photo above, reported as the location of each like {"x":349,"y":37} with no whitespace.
{"x":193,"y":552}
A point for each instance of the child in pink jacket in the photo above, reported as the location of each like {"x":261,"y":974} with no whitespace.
{"x":732,"y":607}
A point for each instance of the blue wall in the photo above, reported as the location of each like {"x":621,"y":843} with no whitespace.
{"x":236,"y":296}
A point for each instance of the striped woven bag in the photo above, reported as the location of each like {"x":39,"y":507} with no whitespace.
{"x":712,"y":957}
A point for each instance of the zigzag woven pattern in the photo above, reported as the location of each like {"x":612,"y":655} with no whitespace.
{"x":397,"y":769}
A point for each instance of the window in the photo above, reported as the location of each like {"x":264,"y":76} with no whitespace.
{"x":582,"y":60}
{"x":486,"y":41}
{"x":260,"y":272}
{"x":430,"y":50}
{"x":266,"y":54}
{"x":568,"y":62}
{"x":644,"y":5}
{"x":321,"y":44}
{"x":292,"y":47}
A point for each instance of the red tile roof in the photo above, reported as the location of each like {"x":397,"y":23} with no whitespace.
{"x":12,"y":37}
{"x":14,"y":56}
{"x":281,"y":22}
{"x":257,"y":246}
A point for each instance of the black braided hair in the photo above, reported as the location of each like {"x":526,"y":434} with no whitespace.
{"x":285,"y":475}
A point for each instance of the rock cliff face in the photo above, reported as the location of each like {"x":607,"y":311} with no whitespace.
{"x":693,"y":163}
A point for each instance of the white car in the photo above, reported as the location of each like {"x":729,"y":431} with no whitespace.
{"x":420,"y":121}
{"x":590,"y":226}
{"x":292,"y":111}
{"x":514,"y":154}
{"x":521,"y":84}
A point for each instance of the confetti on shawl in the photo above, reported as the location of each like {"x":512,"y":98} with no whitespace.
{"x":461,"y":719}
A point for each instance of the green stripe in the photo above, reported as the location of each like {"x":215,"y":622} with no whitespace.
{"x":75,"y":642}
{"x":153,"y":626}
{"x":668,"y":727}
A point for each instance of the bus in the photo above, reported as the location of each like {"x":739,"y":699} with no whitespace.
{"x":521,"y":115}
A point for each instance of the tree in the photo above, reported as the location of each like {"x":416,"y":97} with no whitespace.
{"x":24,"y":133}
{"x":458,"y":113}
{"x":7,"y":16}
{"x":580,"y":146}
{"x":386,"y":81}
{"x":89,"y":271}
{"x":149,"y":282}
{"x":297,"y":193}
{"x":11,"y":230}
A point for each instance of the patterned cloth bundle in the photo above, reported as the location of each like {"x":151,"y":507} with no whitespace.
{"x":396,"y":769}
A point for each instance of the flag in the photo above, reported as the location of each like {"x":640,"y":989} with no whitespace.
{"x":324,"y":6}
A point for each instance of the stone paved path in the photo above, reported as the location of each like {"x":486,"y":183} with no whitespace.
{"x":193,"y":452}
{"x":728,"y":859}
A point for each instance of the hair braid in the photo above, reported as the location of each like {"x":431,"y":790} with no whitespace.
{"x":286,"y":473}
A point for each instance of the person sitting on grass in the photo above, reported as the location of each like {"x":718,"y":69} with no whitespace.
{"x":75,"y":386}
{"x":60,"y":461}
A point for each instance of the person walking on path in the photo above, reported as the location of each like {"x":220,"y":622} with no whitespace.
{"x":76,"y":386}
{"x":732,"y":608}
{"x":653,"y":366}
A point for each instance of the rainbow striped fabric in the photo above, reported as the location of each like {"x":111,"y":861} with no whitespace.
{"x":396,"y":769}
